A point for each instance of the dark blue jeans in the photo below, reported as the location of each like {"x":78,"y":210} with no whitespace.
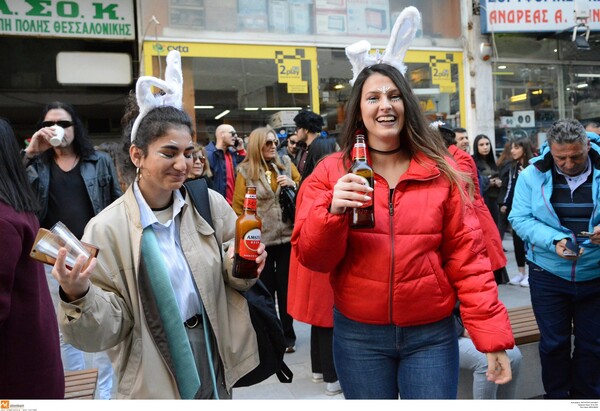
{"x":563,"y":308}
{"x":385,"y":361}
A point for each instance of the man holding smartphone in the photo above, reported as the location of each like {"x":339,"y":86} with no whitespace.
{"x":556,"y":213}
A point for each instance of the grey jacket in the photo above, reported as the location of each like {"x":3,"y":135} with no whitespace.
{"x":115,"y":313}
{"x":98,"y":173}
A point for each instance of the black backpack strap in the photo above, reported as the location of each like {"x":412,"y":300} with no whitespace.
{"x":284,"y":374}
{"x":198,"y":190}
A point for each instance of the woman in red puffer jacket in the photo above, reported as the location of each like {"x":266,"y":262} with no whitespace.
{"x":395,"y":285}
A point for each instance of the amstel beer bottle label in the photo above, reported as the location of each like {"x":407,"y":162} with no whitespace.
{"x":249,"y":243}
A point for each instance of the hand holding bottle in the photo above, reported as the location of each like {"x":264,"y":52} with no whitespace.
{"x":350,"y":191}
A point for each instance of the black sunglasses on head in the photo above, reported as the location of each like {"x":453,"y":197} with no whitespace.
{"x":61,"y":123}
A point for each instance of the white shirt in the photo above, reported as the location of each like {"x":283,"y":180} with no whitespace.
{"x":169,"y":243}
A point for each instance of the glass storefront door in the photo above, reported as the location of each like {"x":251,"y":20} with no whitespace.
{"x":530,"y":97}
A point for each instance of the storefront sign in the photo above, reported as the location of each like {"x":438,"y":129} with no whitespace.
{"x":519,"y":16}
{"x":523,"y":118}
{"x":289,"y":71}
{"x":441,"y":73}
{"x":92,"y":19}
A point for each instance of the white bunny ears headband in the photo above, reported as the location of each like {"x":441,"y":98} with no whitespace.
{"x":172,"y":86}
{"x":402,"y":35}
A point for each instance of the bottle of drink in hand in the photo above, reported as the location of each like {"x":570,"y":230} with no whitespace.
{"x":363,"y":217}
{"x":247,"y":238}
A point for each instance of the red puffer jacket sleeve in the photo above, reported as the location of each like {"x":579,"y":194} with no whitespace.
{"x":468,"y":270}
{"x":319,"y":238}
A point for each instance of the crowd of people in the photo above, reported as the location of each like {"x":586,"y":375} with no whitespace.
{"x":395,"y":310}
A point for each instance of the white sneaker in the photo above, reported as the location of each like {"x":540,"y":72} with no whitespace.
{"x":317,"y":377}
{"x":525,"y":282}
{"x":333,"y":388}
{"x":517,"y":279}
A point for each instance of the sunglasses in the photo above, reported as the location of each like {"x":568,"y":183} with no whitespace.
{"x":202,"y":159}
{"x":61,"y":123}
{"x":270,"y":143}
{"x":292,"y":142}
{"x":233,"y":133}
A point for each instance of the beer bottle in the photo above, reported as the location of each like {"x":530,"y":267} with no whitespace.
{"x":247,"y":238}
{"x":363,"y":217}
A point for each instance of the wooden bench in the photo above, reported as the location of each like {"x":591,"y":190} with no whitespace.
{"x":81,"y":385}
{"x":524,"y":326}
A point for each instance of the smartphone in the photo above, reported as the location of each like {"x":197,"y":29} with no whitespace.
{"x":572,"y":249}
{"x":585,"y":234}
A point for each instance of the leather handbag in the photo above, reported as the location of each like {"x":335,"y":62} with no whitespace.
{"x":287,"y":201}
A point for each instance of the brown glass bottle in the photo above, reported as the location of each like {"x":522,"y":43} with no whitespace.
{"x":247,"y":238}
{"x":363,"y":217}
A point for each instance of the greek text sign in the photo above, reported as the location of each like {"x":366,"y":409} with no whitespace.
{"x":111,"y":19}
{"x":519,"y":16}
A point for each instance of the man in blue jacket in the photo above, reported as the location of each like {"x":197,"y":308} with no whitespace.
{"x":223,"y":156}
{"x":556,"y":213}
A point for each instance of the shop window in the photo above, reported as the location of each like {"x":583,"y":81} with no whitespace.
{"x":325,"y":19}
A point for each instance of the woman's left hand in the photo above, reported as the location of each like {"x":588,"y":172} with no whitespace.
{"x":284,"y":180}
{"x":498,"y":367}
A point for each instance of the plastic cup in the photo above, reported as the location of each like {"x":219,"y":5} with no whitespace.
{"x":59,"y":136}
{"x":60,"y":236}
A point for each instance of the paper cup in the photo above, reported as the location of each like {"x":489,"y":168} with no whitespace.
{"x":59,"y":136}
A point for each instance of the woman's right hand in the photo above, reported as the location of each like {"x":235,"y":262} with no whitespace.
{"x":40,"y":141}
{"x":75,"y":283}
{"x":349,"y":191}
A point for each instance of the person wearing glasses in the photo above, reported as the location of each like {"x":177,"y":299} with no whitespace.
{"x":200,"y":166}
{"x":223,"y":156}
{"x":74,"y":182}
{"x":289,"y":147}
{"x":264,"y":169}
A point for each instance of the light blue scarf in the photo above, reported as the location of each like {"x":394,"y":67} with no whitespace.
{"x":186,"y":374}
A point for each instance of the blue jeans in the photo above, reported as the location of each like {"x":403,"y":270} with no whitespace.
{"x":558,"y":303}
{"x":386,"y":361}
